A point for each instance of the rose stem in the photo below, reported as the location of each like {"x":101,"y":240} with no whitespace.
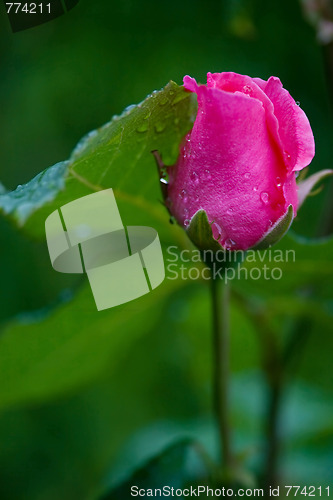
{"x":273,"y":435}
{"x":273,"y":369}
{"x":220,"y":311}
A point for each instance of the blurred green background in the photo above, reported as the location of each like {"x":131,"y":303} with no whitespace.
{"x":69,"y":76}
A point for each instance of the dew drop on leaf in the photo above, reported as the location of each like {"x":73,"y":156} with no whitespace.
{"x":159,"y":127}
{"x":163,"y":101}
{"x":143,"y":127}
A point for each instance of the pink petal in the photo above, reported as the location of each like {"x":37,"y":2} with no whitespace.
{"x":190,"y":83}
{"x":294,"y":127}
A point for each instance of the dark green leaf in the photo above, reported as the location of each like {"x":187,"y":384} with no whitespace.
{"x":117,"y":155}
{"x":178,"y":466}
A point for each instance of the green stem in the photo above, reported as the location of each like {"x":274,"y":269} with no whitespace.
{"x":220,"y":310}
{"x":273,"y":448}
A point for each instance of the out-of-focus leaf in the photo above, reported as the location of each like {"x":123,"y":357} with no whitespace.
{"x":305,"y":187}
{"x":179,"y":465}
{"x":294,"y":265}
{"x":73,"y":345}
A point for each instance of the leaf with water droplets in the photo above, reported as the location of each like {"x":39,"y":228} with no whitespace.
{"x":40,"y":190}
{"x":117,"y":155}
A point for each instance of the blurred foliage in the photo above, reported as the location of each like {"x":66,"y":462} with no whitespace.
{"x":87,"y":397}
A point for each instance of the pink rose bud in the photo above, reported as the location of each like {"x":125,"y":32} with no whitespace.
{"x":239,"y":161}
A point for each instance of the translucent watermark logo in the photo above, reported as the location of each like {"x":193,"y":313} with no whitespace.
{"x":87,"y":236}
{"x":25,"y":15}
{"x":227,"y":266}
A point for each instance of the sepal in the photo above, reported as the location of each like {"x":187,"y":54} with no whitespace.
{"x":212,"y":253}
{"x":305,"y":186}
{"x":277,"y":231}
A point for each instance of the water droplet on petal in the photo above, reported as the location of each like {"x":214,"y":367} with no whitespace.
{"x":194,"y":177}
{"x":183,"y":195}
{"x":278,"y":182}
{"x":264,"y":198}
{"x":247,"y":175}
{"x":196,"y":197}
{"x":230,"y":211}
{"x":217,"y":232}
{"x":287,"y":155}
{"x":255,"y":188}
{"x":207,"y":174}
{"x":247,"y":89}
{"x":187,"y":222}
{"x":229,"y":244}
{"x":185,"y":211}
{"x":298,"y":103}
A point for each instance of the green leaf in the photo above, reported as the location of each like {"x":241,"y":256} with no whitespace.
{"x":76,"y":343}
{"x":118,"y":156}
{"x":304,"y":265}
{"x":72,"y":346}
{"x":176,"y":467}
